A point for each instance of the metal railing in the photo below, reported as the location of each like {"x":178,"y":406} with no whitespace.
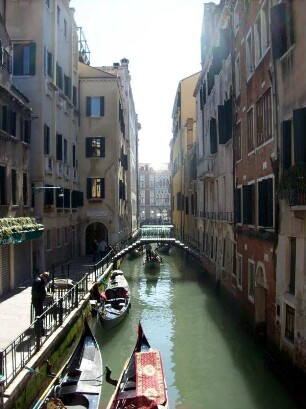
{"x":15,"y":356}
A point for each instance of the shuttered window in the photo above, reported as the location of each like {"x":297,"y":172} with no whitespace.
{"x":299,"y":128}
{"x":95,"y":106}
{"x":59,"y":146}
{"x":286,"y":153}
{"x":265,"y":203}
{"x":24,"y":59}
{"x":95,"y":188}
{"x":14,"y":186}
{"x":213,"y":135}
{"x":95,"y":147}
{"x":248,"y":192}
{"x":46,"y":140}
{"x":282,"y":35}
{"x":238,"y":205}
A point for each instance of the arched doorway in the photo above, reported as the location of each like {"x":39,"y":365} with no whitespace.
{"x":94,"y":231}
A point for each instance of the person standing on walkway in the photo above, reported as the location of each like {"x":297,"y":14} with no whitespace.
{"x":103,"y":248}
{"x":39,"y":292}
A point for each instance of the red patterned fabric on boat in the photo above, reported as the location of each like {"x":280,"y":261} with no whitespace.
{"x":150,"y":386}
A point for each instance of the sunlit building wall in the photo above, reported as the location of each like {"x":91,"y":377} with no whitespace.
{"x":15,"y":148}
{"x":108,"y":127}
{"x":183,"y":116}
{"x":45,"y":68}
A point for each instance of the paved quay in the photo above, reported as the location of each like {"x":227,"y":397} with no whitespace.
{"x":15,"y":306}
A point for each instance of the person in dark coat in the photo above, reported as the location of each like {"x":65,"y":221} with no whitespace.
{"x":39,"y":292}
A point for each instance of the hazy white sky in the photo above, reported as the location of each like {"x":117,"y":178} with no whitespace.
{"x":161,"y":40}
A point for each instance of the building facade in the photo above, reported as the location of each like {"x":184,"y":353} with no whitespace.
{"x":183,"y":119}
{"x":45,"y":68}
{"x":154,"y":194}
{"x":288,"y":66}
{"x":16,"y":246}
{"x":107,"y":154}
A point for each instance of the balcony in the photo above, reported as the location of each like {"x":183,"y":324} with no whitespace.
{"x":227,"y":217}
{"x":49,"y":165}
{"x":206,"y":168}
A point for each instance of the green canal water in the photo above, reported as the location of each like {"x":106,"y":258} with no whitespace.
{"x":209,"y":361}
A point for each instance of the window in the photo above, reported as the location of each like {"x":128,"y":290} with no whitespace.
{"x":250,"y":127}
{"x":251,"y":279}
{"x":261,"y":33}
{"x":46,"y":140}
{"x":237,"y":145}
{"x":237,"y":76}
{"x":59,"y":146}
{"x":292,"y":270}
{"x":65,"y":27}
{"x":14,"y":186}
{"x":239,"y":270}
{"x":58,"y":15}
{"x":264,"y":118}
{"x":249,"y":55}
{"x":25,"y":189}
{"x":73,"y":156}
{"x":47,"y":3}
{"x":289,"y":328}
{"x":26,"y":131}
{"x":48,"y":63}
{"x":248,"y":192}
{"x":58,"y":237}
{"x":282,"y":30}
{"x":213,"y":136}
{"x":24,"y":59}
{"x":265,"y":203}
{"x":179,"y":201}
{"x":95,"y":106}
{"x":238,"y":205}
{"x":13,"y":116}
{"x":95,"y":188}
{"x":67,"y":86}
{"x":2,"y":186}
{"x":286,"y":145}
{"x":299,"y":129}
{"x":59,"y":76}
{"x":95,"y":147}
{"x":65,"y":151}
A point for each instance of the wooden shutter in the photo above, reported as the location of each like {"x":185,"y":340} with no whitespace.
{"x":278,"y":30}
{"x":238,"y":204}
{"x":59,"y":146}
{"x":101,"y":106}
{"x":18,"y":59}
{"x":286,"y":144}
{"x":299,"y":127}
{"x":89,"y":186}
{"x":88,"y":106}
{"x":222,"y":124}
{"x":213,"y":135}
{"x":46,"y":140}
{"x":32,"y":58}
{"x":265,"y":203}
{"x":248,"y":204}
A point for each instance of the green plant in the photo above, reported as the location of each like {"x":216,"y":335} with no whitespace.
{"x":292,"y":181}
{"x":17,"y":225}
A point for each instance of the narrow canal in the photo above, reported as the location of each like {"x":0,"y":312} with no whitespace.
{"x":209,"y":361}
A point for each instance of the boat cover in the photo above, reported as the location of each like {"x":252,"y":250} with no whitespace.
{"x":150,"y":385}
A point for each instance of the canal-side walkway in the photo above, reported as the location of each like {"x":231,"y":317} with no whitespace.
{"x":15,"y":306}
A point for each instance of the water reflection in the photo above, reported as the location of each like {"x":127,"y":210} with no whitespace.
{"x":209,"y":361}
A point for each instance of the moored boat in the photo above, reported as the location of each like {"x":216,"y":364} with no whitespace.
{"x":115,"y":300}
{"x":142,"y":382}
{"x":78,"y":384}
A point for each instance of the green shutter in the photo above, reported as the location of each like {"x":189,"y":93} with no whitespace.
{"x":18,"y":59}
{"x":299,"y":126}
{"x":32,"y":58}
{"x":88,"y":106}
{"x":102,"y":106}
{"x":286,"y":144}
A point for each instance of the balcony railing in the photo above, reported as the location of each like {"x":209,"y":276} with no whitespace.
{"x":297,"y":197}
{"x":218,"y":216}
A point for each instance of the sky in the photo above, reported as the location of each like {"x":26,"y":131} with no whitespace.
{"x":161,"y":40}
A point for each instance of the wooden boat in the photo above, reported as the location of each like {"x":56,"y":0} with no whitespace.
{"x":78,"y":383}
{"x":152,"y":260}
{"x":142,"y":382}
{"x":115,"y":300}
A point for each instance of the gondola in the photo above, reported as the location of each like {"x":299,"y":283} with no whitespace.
{"x":152,"y":260}
{"x":115,"y":301}
{"x":78,"y":384}
{"x":142,"y":382}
